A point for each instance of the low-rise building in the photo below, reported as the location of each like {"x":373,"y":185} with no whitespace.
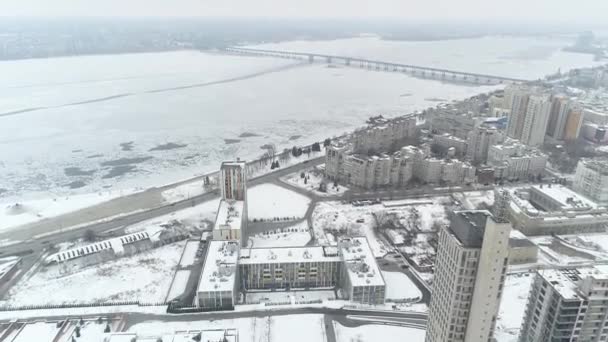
{"x":217,"y":287}
{"x":362,"y":280}
{"x":514,"y":160}
{"x":567,"y":305}
{"x":554,"y":209}
{"x":521,"y":249}
{"x":289,"y":268}
{"x":230,"y":220}
{"x":591,"y":179}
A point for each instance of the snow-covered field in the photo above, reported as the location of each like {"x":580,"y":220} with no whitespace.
{"x":340,"y":219}
{"x":268,"y":201}
{"x":15,"y":212}
{"x":420,"y":214}
{"x":189,"y":256}
{"x":312,"y":181}
{"x":179,"y":284}
{"x":293,"y":297}
{"x":400,"y":287}
{"x":144,"y":277}
{"x":296,"y":328}
{"x":293,"y":236}
{"x":378,"y":332}
{"x":512,"y":306}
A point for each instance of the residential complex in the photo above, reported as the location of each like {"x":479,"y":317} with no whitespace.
{"x":591,"y":179}
{"x":479,"y":141}
{"x":567,"y":305}
{"x":529,"y":111}
{"x":383,"y":135}
{"x":472,"y":259}
{"x":229,"y":269}
{"x":231,"y":219}
{"x":513,"y":160}
{"x":554,"y":209}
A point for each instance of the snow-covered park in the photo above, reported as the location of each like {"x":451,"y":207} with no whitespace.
{"x":144,"y":277}
{"x":312,"y":180}
{"x":269,"y":201}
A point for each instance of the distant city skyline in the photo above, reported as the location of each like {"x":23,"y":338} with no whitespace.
{"x":591,"y":11}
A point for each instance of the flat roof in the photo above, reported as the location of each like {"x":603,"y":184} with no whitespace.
{"x":469,"y":226}
{"x":219,"y":269}
{"x":566,"y":281}
{"x":276,"y":255}
{"x":234,"y":163}
{"x":567,"y":198}
{"x":360,"y":263}
{"x":229,"y":215}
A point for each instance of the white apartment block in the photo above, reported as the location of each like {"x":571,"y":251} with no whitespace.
{"x":447,"y":141}
{"x":451,"y":120}
{"x":479,"y":141}
{"x":217,"y":287}
{"x":514,"y":160}
{"x":554,"y":209}
{"x":381,"y":135}
{"x":472,"y":259}
{"x":536,"y":120}
{"x":591,"y":179}
{"x":567,"y":305}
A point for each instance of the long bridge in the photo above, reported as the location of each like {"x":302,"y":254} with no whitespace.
{"x":413,"y":70}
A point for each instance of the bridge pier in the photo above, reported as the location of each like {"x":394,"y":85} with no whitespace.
{"x":328,"y":60}
{"x":311,"y":59}
{"x":347,"y":62}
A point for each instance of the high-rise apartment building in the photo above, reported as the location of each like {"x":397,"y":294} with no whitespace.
{"x":233,"y":181}
{"x":560,"y":108}
{"x":472,"y":259}
{"x":479,"y":141}
{"x":536,"y":120}
{"x":567,"y":305}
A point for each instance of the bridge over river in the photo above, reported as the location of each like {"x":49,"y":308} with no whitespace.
{"x":413,"y":70}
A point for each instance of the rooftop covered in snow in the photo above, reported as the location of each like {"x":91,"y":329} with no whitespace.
{"x":288,"y":255}
{"x":360,"y":263}
{"x":219,"y":271}
{"x":567,"y":282}
{"x":229,"y":215}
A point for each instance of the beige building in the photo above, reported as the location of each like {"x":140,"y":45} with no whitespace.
{"x":472,"y":259}
{"x":514,"y":160}
{"x":382,"y":135}
{"x":554,"y":209}
{"x":479,"y":141}
{"x":567,"y":305}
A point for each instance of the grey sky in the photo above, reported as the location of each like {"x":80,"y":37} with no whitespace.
{"x":576,"y":11}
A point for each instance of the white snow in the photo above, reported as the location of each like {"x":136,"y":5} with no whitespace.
{"x":512,"y":306}
{"x":400,"y":287}
{"x":144,"y":277}
{"x":179,"y":284}
{"x":267,"y":201}
{"x":292,"y":236}
{"x":293,"y":297}
{"x":184,"y":191}
{"x":337,"y":218}
{"x":312,"y":182}
{"x":40,"y":331}
{"x":189,"y":256}
{"x":293,"y":328}
{"x":15,"y":212}
{"x":378,"y":332}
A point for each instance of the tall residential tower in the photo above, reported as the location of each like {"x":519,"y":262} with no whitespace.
{"x":472,"y":259}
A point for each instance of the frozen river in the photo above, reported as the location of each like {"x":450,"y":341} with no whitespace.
{"x":92,"y":123}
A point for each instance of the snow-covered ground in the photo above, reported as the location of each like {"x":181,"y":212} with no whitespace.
{"x":420,"y":214}
{"x":573,"y":252}
{"x":144,"y":277}
{"x":16,"y":212}
{"x":475,"y":199}
{"x":336,"y":218}
{"x":400,"y":287}
{"x":312,"y":182}
{"x":40,"y":331}
{"x":378,"y":332}
{"x":195,"y":216}
{"x":293,"y":236}
{"x":293,"y":297}
{"x":296,"y":328}
{"x":179,"y":284}
{"x":512,"y":306}
{"x":268,"y":201}
{"x":189,"y":256}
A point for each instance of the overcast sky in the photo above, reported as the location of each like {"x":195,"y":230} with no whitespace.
{"x":575,"y":11}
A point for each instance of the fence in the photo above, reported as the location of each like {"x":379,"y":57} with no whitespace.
{"x":80,"y":305}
